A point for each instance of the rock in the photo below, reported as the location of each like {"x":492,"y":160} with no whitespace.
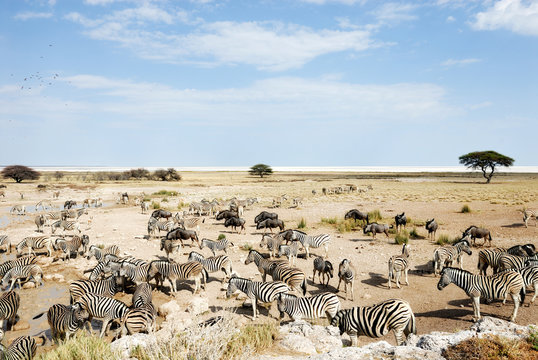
{"x":169,"y":308}
{"x":58,"y":277}
{"x":198,"y":305}
{"x":21,"y":325}
{"x":300,"y":336}
{"x":298,"y":343}
{"x":247,"y":303}
{"x":28,"y":285}
{"x":47,"y":277}
{"x":127,"y":343}
{"x":508,"y":329}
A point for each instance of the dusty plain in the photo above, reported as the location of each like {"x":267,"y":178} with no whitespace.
{"x":421,"y":196}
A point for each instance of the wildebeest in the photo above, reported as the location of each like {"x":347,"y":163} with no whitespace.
{"x":182,"y":234}
{"x":159,"y":213}
{"x":124,"y":198}
{"x":357,"y":215}
{"x":376,"y":228}
{"x":234,"y":222}
{"x":431,"y":226}
{"x":401,"y":220}
{"x":476,"y":232}
{"x":226,"y":214}
{"x":69,"y":204}
{"x":270,"y":223}
{"x":264,"y":215}
{"x":40,"y":221}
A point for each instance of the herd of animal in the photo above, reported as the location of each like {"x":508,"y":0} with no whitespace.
{"x":514,"y":270}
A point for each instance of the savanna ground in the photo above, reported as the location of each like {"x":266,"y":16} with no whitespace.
{"x":422,"y":196}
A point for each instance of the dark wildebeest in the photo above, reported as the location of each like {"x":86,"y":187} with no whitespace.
{"x":69,"y":204}
{"x":376,"y":228}
{"x":357,"y":215}
{"x":270,"y":223}
{"x":182,"y":234}
{"x":264,"y":215}
{"x":401,"y":220}
{"x":234,"y":222}
{"x":476,"y":232}
{"x":287,"y":235}
{"x":431,"y":226}
{"x":158,"y":214}
{"x":124,"y":198}
{"x":226,"y":214}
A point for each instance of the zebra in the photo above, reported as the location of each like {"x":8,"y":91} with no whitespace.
{"x":102,"y":307}
{"x":52,"y":215}
{"x":377,"y":320}
{"x":9,"y":305}
{"x":312,"y":307}
{"x":528,"y":214}
{"x":20,"y":209}
{"x":191,"y":223}
{"x":495,"y":286}
{"x":25,"y":272}
{"x":508,"y":261}
{"x":265,"y":292}
{"x":135,"y":273}
{"x":64,"y":319}
{"x":290,"y":251}
{"x":397,"y":264}
{"x":138,"y":320}
{"x":143,"y":295}
{"x":99,"y":253}
{"x":34,"y":243}
{"x":272,"y":242}
{"x":5,"y":241}
{"x":431,"y":226}
{"x":8,"y":265}
{"x":161,"y":225}
{"x":72,"y":246}
{"x":43,"y":204}
{"x":144,"y":205}
{"x":174,"y":272}
{"x":265,"y":266}
{"x":213,"y":264}
{"x":70,"y":225}
{"x":346,"y":273}
{"x":22,"y":348}
{"x":491,"y":257}
{"x":74,"y":213}
{"x":295,"y":278}
{"x":309,"y":241}
{"x":530,"y":278}
{"x":40,"y":221}
{"x":107,"y":287}
{"x":170,"y":246}
{"x":215,"y":246}
{"x":446,"y":255}
{"x":323,"y":268}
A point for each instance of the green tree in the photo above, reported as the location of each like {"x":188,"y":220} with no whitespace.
{"x":20,"y":173}
{"x":260,"y":170}
{"x":169,"y":174}
{"x":486,"y":161}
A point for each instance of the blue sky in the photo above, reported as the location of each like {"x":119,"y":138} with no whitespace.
{"x":288,"y":83}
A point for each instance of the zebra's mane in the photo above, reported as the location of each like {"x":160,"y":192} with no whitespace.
{"x":458,"y":270}
{"x":300,"y":232}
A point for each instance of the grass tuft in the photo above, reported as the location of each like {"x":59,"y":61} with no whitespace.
{"x":81,"y":347}
{"x":413,"y":234}
{"x":374,"y":215}
{"x":246,"y":247}
{"x":465,"y":209}
{"x":401,"y":239}
{"x":533,"y":337}
{"x":166,"y":193}
{"x":301,"y":224}
{"x":221,"y":236}
{"x":155,"y":205}
{"x":442,"y":239}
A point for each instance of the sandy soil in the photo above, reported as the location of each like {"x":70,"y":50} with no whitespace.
{"x":493,"y":206}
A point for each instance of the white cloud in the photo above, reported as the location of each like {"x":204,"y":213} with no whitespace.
{"x":395,"y":12}
{"x":99,"y":2}
{"x":345,"y":2}
{"x":450,"y":19}
{"x":518,"y":16}
{"x":460,"y":62}
{"x":33,"y":15}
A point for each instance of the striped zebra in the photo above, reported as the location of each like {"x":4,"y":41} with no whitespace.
{"x":528,"y":214}
{"x":446,"y":255}
{"x":74,"y":213}
{"x":22,"y":348}
{"x":265,"y":266}
{"x":64,"y":320}
{"x":137,"y":274}
{"x":495,"y":286}
{"x":9,"y":305}
{"x":35,"y":243}
{"x":323,"y":268}
{"x":507,"y":261}
{"x":138,"y":320}
{"x":99,"y":271}
{"x":272,"y":242}
{"x":215,"y":246}
{"x":98,"y":253}
{"x":173,"y":272}
{"x":8,"y":265}
{"x":214,"y":263}
{"x":72,"y":246}
{"x":293,"y":277}
{"x":170,"y":246}
{"x":144,"y":205}
{"x":143,"y":295}
{"x":102,"y":307}
{"x":530,"y":278}
{"x":191,"y":223}
{"x":491,"y":257}
{"x":399,"y":264}
{"x":53,"y":215}
{"x":40,"y":221}
{"x":19,"y":209}
{"x":161,"y":225}
{"x":308,"y":307}
{"x":26,"y":272}
{"x":377,"y":320}
{"x":5,"y":242}
{"x":346,"y":273}
{"x":309,"y":241}
{"x":265,"y":292}
{"x":290,"y":251}
{"x":78,"y":288}
{"x":66,"y":225}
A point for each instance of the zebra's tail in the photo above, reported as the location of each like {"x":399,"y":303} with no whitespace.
{"x":205,"y":276}
{"x":522,"y":294}
{"x":38,"y":315}
{"x":303,"y":286}
{"x":411,"y":326}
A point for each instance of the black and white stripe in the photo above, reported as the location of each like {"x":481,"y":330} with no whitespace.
{"x":497,"y":286}
{"x":66,"y":225}
{"x":346,"y":273}
{"x":25,"y":273}
{"x":107,"y":287}
{"x":35,"y":243}
{"x":173,"y":272}
{"x":214,"y":246}
{"x":161,"y":225}
{"x":293,"y":277}
{"x":22,"y":348}
{"x":530,"y":279}
{"x":72,"y":246}
{"x":102,"y":307}
{"x":446,"y":255}
{"x":309,"y":241}
{"x":214,"y":263}
{"x":265,"y":292}
{"x":143,"y":295}
{"x":290,"y":251}
{"x":8,"y":265}
{"x":99,"y":253}
{"x":508,"y":261}
{"x":5,"y":242}
{"x":399,"y":264}
{"x":308,"y":307}
{"x":65,"y":320}
{"x":528,"y":214}
{"x":138,"y":320}
{"x":377,"y":320}
{"x":272,"y":242}
{"x":265,"y":266}
{"x":138,"y":274}
{"x":74,"y":213}
{"x":9,"y":305}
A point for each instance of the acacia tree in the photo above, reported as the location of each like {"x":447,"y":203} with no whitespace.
{"x":169,"y":174}
{"x":20,"y":173}
{"x":260,"y":170}
{"x":485,"y":161}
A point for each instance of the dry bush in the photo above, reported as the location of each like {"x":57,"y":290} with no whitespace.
{"x":81,"y":347}
{"x":491,"y":347}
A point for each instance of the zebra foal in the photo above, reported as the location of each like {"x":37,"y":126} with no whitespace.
{"x":26,"y":272}
{"x":446,"y":255}
{"x":346,"y":273}
{"x":309,"y":241}
{"x":324,"y":268}
{"x":308,"y":307}
{"x":399,"y":264}
{"x":35,"y":243}
{"x":214,"y":246}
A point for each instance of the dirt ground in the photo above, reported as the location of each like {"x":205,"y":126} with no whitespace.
{"x":421,"y":197}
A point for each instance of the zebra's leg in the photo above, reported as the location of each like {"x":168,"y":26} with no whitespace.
{"x":399,"y":335}
{"x":254,"y":308}
{"x":406,"y":279}
{"x":535,"y":293}
{"x":103,"y":328}
{"x":390,"y":276}
{"x":338,"y":288}
{"x":196,"y":285}
{"x":326,"y":251}
{"x":354,"y":338}
{"x":398,"y":276}
{"x":476,"y":308}
{"x":352,"y":292}
{"x":516,"y":299}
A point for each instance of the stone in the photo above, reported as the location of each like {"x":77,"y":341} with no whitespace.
{"x":47,"y":277}
{"x":21,"y":325}
{"x":125,"y":344}
{"x":58,"y":277}
{"x":298,"y":343}
{"x":28,"y":285}
{"x":198,"y":305}
{"x":169,"y":308}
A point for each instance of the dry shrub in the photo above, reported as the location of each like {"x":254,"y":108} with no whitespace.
{"x":491,"y":347}
{"x":81,"y":347}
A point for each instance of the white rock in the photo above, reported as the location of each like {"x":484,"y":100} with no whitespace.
{"x":169,"y":308}
{"x":58,"y":277}
{"x":28,"y":285}
{"x":127,"y":343}
{"x":198,"y":305}
{"x":298,"y":343}
{"x":47,"y":277}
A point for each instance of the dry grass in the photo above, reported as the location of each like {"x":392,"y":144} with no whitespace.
{"x":491,"y":347}
{"x":81,"y":347}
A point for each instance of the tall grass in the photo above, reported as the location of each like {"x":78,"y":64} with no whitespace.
{"x":374,"y":215}
{"x":342,"y":225}
{"x":301,"y":224}
{"x":444,"y":239}
{"x":155,"y":205}
{"x":81,"y":347}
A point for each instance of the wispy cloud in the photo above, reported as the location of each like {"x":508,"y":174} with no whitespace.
{"x":33,"y":15}
{"x":460,"y":62}
{"x":345,"y":2}
{"x":395,"y":12}
{"x":514,"y":15}
{"x":450,"y":19}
